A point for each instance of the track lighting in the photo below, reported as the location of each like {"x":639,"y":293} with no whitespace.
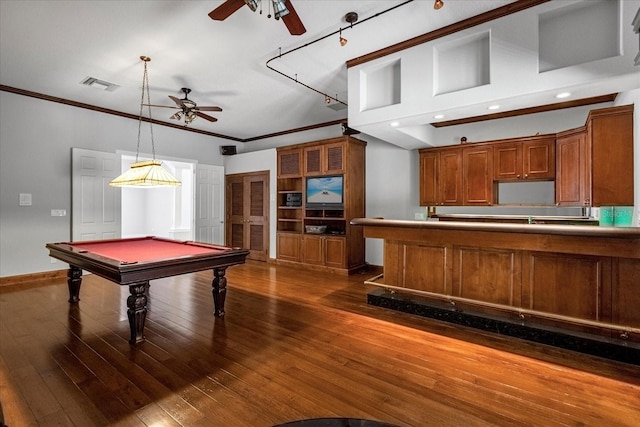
{"x":438,"y":4}
{"x":343,"y":41}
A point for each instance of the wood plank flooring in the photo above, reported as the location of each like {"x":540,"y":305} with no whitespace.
{"x":294,"y":344}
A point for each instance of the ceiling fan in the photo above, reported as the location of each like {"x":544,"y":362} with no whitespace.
{"x":281,"y":9}
{"x":189,"y":109}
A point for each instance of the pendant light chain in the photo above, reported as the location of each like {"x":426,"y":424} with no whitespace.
{"x":145,"y":86}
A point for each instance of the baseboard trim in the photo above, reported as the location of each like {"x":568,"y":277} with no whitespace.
{"x":33,"y":277}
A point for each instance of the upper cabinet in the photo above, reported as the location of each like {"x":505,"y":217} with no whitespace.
{"x":290,"y":163}
{"x":528,"y":159}
{"x":477,"y":175}
{"x":441,"y":177}
{"x":573,"y":177}
{"x":591,"y":165}
{"x":595,"y":163}
{"x":610,"y":133}
{"x":324,"y":159}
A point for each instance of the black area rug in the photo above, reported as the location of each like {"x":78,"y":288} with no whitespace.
{"x":617,"y":351}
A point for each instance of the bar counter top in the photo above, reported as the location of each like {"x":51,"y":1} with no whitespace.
{"x":632,"y":233}
{"x":578,"y":278}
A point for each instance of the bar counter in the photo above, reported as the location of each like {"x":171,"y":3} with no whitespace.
{"x":579,"y":279}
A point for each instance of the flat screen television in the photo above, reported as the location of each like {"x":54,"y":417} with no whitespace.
{"x":325,"y":192}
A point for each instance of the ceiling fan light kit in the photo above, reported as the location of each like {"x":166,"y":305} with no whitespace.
{"x":281,"y":9}
{"x":145,"y":174}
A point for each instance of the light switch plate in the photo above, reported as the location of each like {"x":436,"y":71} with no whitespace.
{"x":58,"y":212}
{"x":25,"y":199}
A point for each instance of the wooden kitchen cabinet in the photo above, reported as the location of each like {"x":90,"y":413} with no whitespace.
{"x":610,"y":132}
{"x":441,"y":177}
{"x":595,"y":163}
{"x":525,"y":159}
{"x":572,"y":170}
{"x":477,"y":175}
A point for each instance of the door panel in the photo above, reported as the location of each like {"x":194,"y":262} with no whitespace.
{"x":95,"y":206}
{"x":210,"y":204}
{"x":248,"y":212}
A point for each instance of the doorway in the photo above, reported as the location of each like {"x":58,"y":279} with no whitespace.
{"x":247,"y":201}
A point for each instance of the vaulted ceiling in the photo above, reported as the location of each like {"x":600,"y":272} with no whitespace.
{"x":50,"y":47}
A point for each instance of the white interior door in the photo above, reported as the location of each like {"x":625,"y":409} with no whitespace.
{"x":95,"y":206}
{"x":210,"y":204}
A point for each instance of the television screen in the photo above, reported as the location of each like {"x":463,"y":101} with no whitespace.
{"x":325,"y":191}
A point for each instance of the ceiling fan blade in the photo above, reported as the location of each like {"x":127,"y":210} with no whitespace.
{"x":208,"y":108}
{"x":161,"y":106}
{"x":292,"y":21}
{"x":177,"y":101}
{"x":206,"y":117}
{"x":226,"y":9}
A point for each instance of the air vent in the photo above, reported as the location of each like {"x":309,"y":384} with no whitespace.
{"x":99,"y":84}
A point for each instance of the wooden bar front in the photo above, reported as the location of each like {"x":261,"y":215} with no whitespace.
{"x":580,"y":279}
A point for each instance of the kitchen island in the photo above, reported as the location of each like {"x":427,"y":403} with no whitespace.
{"x":579,"y":280}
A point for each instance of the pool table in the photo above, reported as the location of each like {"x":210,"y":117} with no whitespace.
{"x":135,"y":261}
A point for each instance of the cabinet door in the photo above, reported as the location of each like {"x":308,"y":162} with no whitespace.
{"x":450,"y":177}
{"x":429,"y":178}
{"x":313,"y":160}
{"x":538,"y":159}
{"x":324,"y":159}
{"x":507,"y":161}
{"x":334,"y":252}
{"x":312,"y":250}
{"x":288,"y":246}
{"x":334,"y":158}
{"x":289,"y":163}
{"x":612,"y":157}
{"x":572,"y":170}
{"x":477,"y":166}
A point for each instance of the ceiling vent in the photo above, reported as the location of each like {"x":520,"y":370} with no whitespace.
{"x":99,"y":84}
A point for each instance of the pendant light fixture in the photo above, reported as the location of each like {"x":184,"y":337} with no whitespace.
{"x":148,"y":173}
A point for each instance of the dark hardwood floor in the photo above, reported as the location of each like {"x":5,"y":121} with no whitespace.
{"x":294,"y":344}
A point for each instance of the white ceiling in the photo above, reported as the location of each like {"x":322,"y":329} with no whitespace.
{"x":49,"y":47}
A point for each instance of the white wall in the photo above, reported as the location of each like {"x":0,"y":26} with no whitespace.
{"x":35,"y":155}
{"x":36,"y":138}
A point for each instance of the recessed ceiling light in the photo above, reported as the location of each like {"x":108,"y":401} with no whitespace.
{"x":493,"y":107}
{"x":394,"y":124}
{"x":439,"y":116}
{"x":563,"y":95}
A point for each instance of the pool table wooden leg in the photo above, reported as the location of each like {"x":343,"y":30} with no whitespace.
{"x":219,"y":290}
{"x":137,"y":312}
{"x":74,"y":280}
